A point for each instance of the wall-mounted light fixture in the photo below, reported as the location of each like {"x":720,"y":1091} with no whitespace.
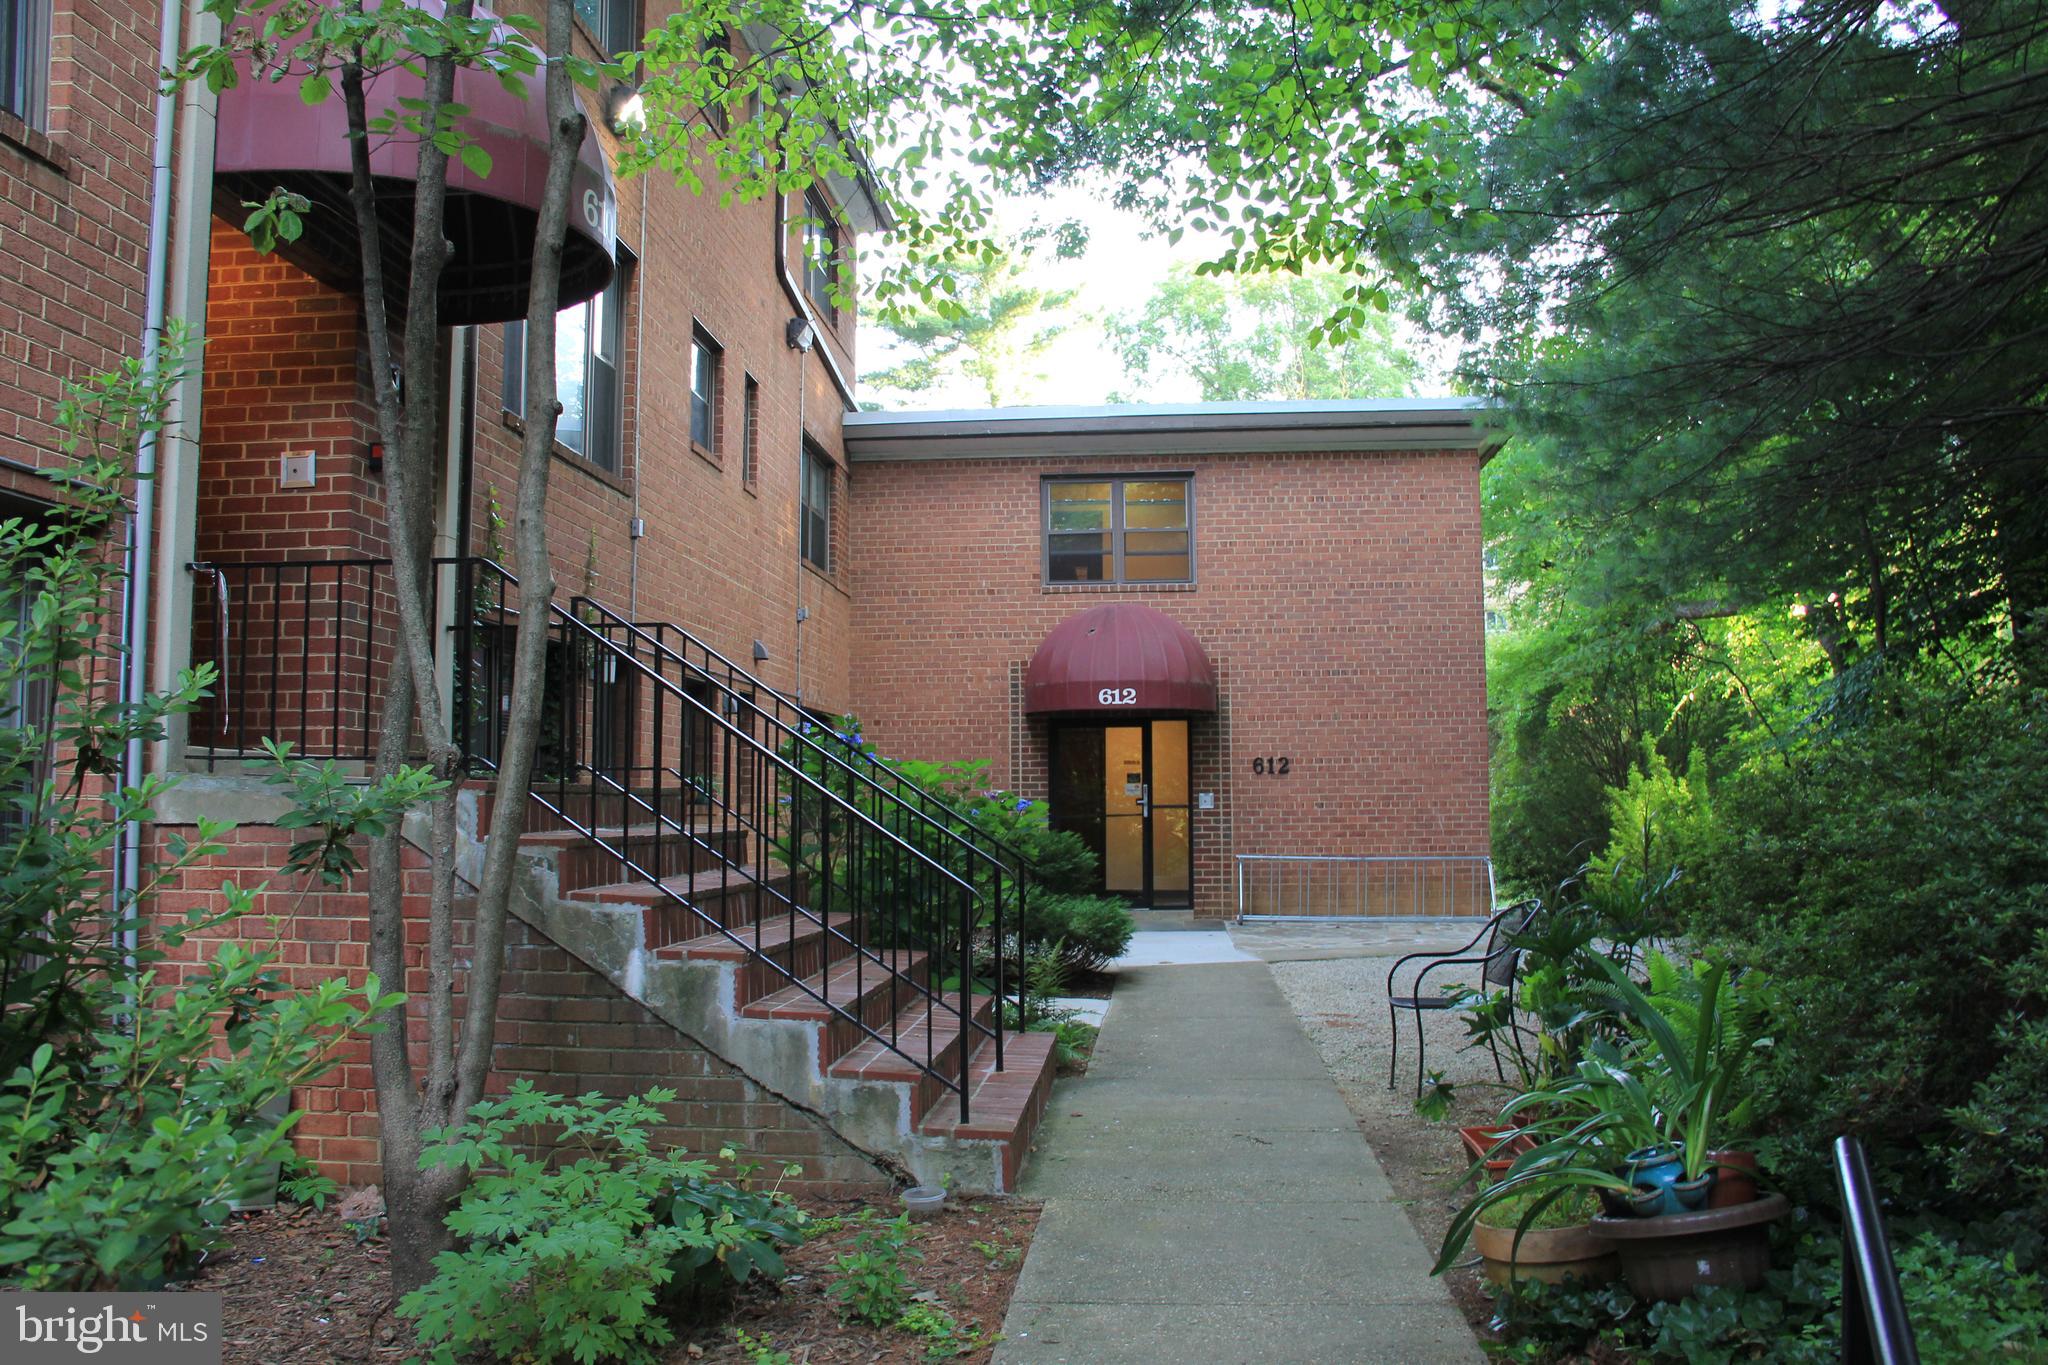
{"x":760,"y":652}
{"x":625,"y":111}
{"x":800,"y":334}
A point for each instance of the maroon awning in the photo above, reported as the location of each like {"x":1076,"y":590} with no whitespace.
{"x":1119,"y":657}
{"x":269,"y":137}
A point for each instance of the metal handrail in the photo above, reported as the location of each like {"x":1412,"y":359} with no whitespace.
{"x":1876,"y":1329}
{"x":638,"y":631}
{"x":1448,"y":860}
{"x":632,"y":803}
{"x":880,"y":775}
{"x":994,"y":856}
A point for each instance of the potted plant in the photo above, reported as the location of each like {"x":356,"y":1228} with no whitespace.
{"x":1555,"y":1245}
{"x":1636,"y":1120}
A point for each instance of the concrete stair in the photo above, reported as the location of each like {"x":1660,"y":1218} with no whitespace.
{"x":725,"y":950}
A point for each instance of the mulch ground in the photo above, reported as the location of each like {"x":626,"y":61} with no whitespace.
{"x":297,"y":1285}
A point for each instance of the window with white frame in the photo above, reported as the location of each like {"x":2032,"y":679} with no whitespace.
{"x":587,"y":348}
{"x":707,"y":360}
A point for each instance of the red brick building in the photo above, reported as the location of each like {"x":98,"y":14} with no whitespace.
{"x":1290,"y":670}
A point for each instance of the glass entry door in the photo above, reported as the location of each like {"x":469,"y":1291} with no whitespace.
{"x":1124,"y":790}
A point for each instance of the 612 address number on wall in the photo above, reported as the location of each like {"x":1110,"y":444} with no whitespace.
{"x":1272,"y":767}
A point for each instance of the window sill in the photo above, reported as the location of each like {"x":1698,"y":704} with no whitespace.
{"x":1117,"y":587}
{"x":35,"y":144}
{"x":616,"y":482}
{"x":708,"y":456}
{"x":832,"y":579}
{"x":595,"y":472}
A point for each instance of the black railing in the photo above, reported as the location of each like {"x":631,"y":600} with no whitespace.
{"x":996,"y":867}
{"x":696,"y":779}
{"x":301,"y":647}
{"x":1876,"y":1329}
{"x":724,"y":828}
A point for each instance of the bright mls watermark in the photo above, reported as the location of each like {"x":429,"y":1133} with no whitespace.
{"x":119,"y":1329}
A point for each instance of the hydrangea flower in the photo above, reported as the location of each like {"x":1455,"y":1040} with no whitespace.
{"x":1023,"y":803}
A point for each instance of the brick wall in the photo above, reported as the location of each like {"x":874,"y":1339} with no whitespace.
{"x":286,"y":371}
{"x":719,"y":556}
{"x":74,"y":212}
{"x":1338,"y":596}
{"x":562,"y":1026}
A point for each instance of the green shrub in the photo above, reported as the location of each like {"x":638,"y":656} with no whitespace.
{"x":133,"y":1109}
{"x":1964,"y":1307}
{"x":873,"y":1287}
{"x":115,"y":1173}
{"x":1092,"y":931}
{"x":1893,"y":880}
{"x":585,"y":1258}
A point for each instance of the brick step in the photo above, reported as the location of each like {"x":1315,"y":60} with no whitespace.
{"x":874,"y":988}
{"x":731,"y":897}
{"x":662,"y":850}
{"x":794,"y":945}
{"x":918,"y":1022}
{"x":1004,"y":1106}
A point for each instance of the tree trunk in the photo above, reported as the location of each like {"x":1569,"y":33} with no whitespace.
{"x":457,"y":1065}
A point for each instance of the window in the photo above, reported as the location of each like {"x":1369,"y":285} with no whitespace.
{"x":750,"y":431}
{"x":717,"y":52}
{"x":1119,"y":530}
{"x":816,"y":546}
{"x":612,"y":23}
{"x":24,"y":59}
{"x":705,"y":359}
{"x":821,"y":253}
{"x":586,"y":374}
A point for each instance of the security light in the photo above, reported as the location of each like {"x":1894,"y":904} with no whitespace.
{"x":624,"y":109}
{"x":801,"y":334}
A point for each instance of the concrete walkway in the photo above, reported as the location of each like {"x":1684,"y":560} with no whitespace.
{"x":1209,"y":1200}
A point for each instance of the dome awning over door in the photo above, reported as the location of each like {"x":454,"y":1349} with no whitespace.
{"x":269,"y":137}
{"x":1119,"y":657}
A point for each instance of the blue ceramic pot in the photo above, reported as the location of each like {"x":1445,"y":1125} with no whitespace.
{"x":1658,"y":1175}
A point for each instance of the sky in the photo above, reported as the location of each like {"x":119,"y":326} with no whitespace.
{"x":1123,"y":264}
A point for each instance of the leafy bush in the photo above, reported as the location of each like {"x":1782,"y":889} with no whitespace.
{"x":114,"y":1173}
{"x":585,"y":1258}
{"x":1092,"y":931}
{"x":1894,"y":880}
{"x":873,"y":1287}
{"x":134,"y":1109}
{"x":1963,"y":1306}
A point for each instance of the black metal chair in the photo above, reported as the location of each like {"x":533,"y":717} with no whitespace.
{"x":1498,"y":965}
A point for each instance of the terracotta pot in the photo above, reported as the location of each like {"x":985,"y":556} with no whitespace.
{"x":1675,"y":1254}
{"x":1480,"y":1140}
{"x":1734,"y":1178}
{"x":1549,"y":1255}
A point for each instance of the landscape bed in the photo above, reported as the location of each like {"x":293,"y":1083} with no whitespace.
{"x":298,"y":1285}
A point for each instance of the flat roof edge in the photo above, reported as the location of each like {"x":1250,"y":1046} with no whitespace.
{"x":1171,"y":429}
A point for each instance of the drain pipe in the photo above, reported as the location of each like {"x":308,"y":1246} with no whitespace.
{"x":135,"y":680}
{"x":802,"y":303}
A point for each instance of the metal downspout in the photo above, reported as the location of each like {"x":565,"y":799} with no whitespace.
{"x":156,"y":269}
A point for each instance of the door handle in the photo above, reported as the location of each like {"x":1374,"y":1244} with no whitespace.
{"x":1145,"y":800}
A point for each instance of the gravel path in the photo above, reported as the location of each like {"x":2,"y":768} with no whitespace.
{"x":1342,"y":1006}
